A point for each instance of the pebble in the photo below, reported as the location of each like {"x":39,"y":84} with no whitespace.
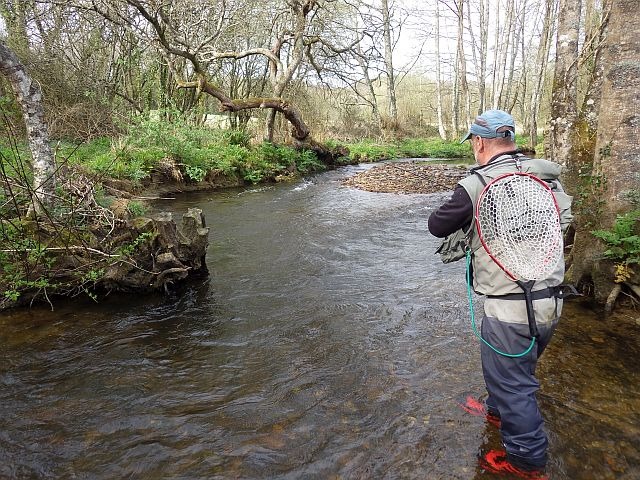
{"x":408,"y":177}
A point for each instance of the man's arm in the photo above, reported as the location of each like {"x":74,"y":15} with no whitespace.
{"x":453,"y":215}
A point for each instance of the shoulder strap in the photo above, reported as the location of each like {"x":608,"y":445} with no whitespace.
{"x":481,"y":177}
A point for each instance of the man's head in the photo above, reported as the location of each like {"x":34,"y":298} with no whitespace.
{"x":491,"y":133}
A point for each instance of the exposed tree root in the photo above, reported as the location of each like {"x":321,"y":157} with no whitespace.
{"x":617,"y":290}
{"x":611,"y":299}
{"x":634,"y":288}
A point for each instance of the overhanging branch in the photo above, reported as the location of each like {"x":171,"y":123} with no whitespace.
{"x":300,"y":131}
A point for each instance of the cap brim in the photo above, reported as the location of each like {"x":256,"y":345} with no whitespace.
{"x":467,"y":137}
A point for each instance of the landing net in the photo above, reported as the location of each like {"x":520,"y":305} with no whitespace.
{"x":519,"y":226}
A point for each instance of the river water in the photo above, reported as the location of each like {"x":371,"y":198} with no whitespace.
{"x":328,"y":343}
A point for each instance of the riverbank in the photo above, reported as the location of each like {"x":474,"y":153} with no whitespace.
{"x":91,"y":244}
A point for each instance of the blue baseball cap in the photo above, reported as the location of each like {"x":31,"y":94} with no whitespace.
{"x":488,"y":124}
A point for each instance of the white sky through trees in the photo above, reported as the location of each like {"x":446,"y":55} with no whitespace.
{"x":417,"y":35}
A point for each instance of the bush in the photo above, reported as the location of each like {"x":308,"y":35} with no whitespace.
{"x":368,"y":151}
{"x":307,"y":162}
{"x":136,"y":209}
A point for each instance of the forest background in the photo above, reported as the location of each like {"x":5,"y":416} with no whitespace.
{"x":277,"y":87}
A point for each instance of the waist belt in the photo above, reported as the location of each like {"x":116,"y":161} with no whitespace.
{"x":559,"y":291}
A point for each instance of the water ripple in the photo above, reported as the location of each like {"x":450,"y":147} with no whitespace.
{"x":329,"y":342}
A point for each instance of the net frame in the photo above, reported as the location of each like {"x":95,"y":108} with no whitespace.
{"x":529,"y":204}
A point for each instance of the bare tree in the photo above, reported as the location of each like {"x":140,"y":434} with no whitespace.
{"x":379,"y":32}
{"x":29,"y":97}
{"x":441,"y":128}
{"x":462,"y":63}
{"x":502,"y":46}
{"x":388,"y":62}
{"x":457,"y":80}
{"x":194,"y":45}
{"x":512,"y":92}
{"x":542,"y":59}
{"x":370,"y":96}
{"x":479,"y":50}
{"x":354,"y":59}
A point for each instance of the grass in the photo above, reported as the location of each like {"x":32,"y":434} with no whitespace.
{"x":197,"y":150}
{"x":371,"y":151}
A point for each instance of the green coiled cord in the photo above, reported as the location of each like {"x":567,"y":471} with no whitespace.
{"x":473,"y":317}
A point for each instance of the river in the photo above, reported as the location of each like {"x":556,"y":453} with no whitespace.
{"x":328,"y":343}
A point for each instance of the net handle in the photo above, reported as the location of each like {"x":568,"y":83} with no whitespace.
{"x":479,"y":203}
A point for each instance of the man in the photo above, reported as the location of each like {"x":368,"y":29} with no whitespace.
{"x":510,"y":381}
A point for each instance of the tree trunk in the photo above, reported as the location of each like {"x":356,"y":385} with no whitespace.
{"x":542,"y":59}
{"x":617,"y":150}
{"x":270,"y":126}
{"x":441,"y":129}
{"x":476,"y":51}
{"x":29,"y":97}
{"x":618,"y":145}
{"x":564,"y":103}
{"x":484,"y":42}
{"x":494,"y":70}
{"x":511,"y":96}
{"x":501,"y":59}
{"x":388,"y":63}
{"x":464,"y":86}
{"x":455,"y":100}
{"x":299,"y":129}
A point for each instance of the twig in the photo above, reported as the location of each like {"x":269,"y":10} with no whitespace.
{"x":73,"y":247}
{"x":155,"y":198}
{"x":139,"y":268}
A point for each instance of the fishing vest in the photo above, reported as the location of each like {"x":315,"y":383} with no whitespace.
{"x":488,"y":277}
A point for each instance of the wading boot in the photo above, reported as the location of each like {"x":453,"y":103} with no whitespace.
{"x":477,"y":409}
{"x":496,"y":461}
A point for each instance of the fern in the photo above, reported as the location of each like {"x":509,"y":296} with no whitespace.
{"x":623,"y":240}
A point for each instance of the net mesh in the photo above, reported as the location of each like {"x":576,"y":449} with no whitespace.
{"x":519,"y":226}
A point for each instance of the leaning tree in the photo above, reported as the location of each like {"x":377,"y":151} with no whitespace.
{"x":196,"y":40}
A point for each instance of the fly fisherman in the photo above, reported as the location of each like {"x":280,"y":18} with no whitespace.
{"x":510,"y":380}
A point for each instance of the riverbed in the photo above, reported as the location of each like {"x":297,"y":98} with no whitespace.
{"x":328,"y":343}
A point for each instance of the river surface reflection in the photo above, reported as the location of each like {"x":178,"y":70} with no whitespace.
{"x":328,"y":343}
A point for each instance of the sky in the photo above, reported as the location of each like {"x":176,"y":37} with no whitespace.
{"x":418,"y":32}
